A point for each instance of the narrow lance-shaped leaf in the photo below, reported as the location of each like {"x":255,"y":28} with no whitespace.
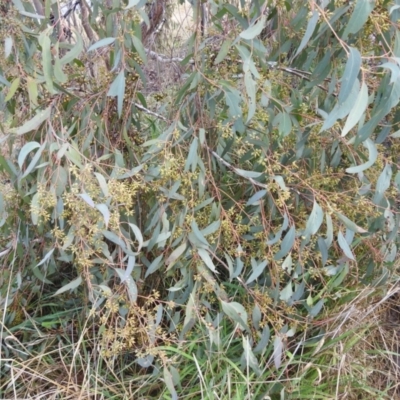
{"x":223,"y":51}
{"x":257,"y":271}
{"x":75,"y":51}
{"x":360,"y":15}
{"x":101,"y":43}
{"x":26,"y":149}
{"x":33,"y":123}
{"x":373,"y":155}
{"x":254,"y":30}
{"x":312,"y":23}
{"x":207,"y":259}
{"x":315,"y":220}
{"x":287,"y":243}
{"x":8,"y":43}
{"x":69,"y":286}
{"x":250,"y":358}
{"x":117,"y":89}
{"x":13,"y":88}
{"x":35,"y":159}
{"x":345,"y":246}
{"x":235,"y":311}
{"x":256,"y":197}
{"x":350,"y":74}
{"x":383,"y":183}
{"x":358,"y":110}
{"x":45,"y":43}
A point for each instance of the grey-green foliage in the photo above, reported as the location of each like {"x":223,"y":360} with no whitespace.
{"x":264,"y":182}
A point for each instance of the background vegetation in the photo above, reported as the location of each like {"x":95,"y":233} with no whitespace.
{"x":199,"y":200}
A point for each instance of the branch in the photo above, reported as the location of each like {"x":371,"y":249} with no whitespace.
{"x":85,"y":21}
{"x":301,"y":74}
{"x":235,"y":170}
{"x":146,"y":110}
{"x":162,"y":58}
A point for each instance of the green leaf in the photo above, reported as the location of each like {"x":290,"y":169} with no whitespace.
{"x":360,"y":15}
{"x":233,"y":101}
{"x":58,"y":72}
{"x":350,"y":74}
{"x":114,"y":238}
{"x":34,"y":160}
{"x":394,"y":69}
{"x":8,"y":43}
{"x":32,"y":87}
{"x":373,"y":155}
{"x":87,"y":199}
{"x":287,"y":243}
{"x":117,"y":88}
{"x":26,"y":149}
{"x":105,"y":212}
{"x":154,"y":266}
{"x":45,"y":258}
{"x":315,"y":220}
{"x":382,"y":184}
{"x":45,"y":43}
{"x":262,"y":344}
{"x":247,"y":174}
{"x":236,"y":312}
{"x":254,"y":30}
{"x":103,"y":183}
{"x":350,"y":224}
{"x":251,"y":88}
{"x":33,"y":123}
{"x":256,"y":197}
{"x":312,"y":23}
{"x":101,"y":43}
{"x":278,"y":350}
{"x":176,"y":254}
{"x":192,"y":156}
{"x":198,"y":235}
{"x":250,"y":358}
{"x":257,"y":271}
{"x":223,"y":51}
{"x":345,"y":246}
{"x":13,"y":88}
{"x":342,"y":109}
{"x":256,"y":317}
{"x":207,"y":259}
{"x":357,"y":111}
{"x":73,"y":155}
{"x":129,"y":268}
{"x":317,"y":308}
{"x":168,"y":380}
{"x":210,"y":229}
{"x":287,"y":292}
{"x":284,"y":123}
{"x":139,"y":48}
{"x":138,"y":235}
{"x":75,"y":51}
{"x":130,"y":284}
{"x":69,"y":286}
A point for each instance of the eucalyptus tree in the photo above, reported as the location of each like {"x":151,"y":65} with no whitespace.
{"x":240,"y":198}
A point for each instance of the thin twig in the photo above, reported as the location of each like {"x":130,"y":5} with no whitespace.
{"x":300,"y":75}
{"x":146,"y":110}
{"x":162,"y":58}
{"x":235,"y":170}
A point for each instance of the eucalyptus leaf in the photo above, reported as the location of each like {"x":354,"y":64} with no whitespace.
{"x":254,"y":30}
{"x":235,"y":311}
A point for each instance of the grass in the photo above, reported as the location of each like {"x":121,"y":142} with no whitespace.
{"x":57,"y":356}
